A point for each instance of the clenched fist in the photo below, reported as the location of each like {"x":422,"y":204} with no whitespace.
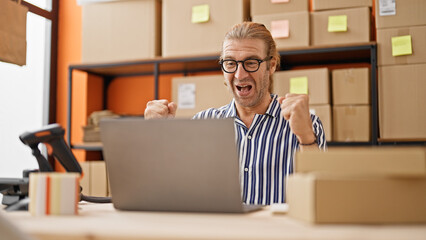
{"x":295,"y":109}
{"x":160,"y":109}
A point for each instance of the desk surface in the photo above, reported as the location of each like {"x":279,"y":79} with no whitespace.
{"x":102,"y":221}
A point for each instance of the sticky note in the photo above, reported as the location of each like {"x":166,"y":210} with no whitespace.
{"x":200,"y":13}
{"x":279,"y":1}
{"x":401,"y":46}
{"x":299,"y":85}
{"x":338,"y":23}
{"x":280,"y":29}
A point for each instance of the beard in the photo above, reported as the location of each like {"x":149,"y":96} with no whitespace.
{"x":259,"y":90}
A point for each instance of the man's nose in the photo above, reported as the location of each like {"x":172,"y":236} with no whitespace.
{"x":241,"y":73}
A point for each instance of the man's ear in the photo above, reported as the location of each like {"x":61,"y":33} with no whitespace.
{"x":273,"y":66}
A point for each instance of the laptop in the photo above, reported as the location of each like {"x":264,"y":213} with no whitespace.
{"x":173,"y":165}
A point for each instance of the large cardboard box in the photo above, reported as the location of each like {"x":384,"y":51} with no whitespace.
{"x":351,"y":86}
{"x":318,"y":84}
{"x":400,"y":13}
{"x":188,"y":31}
{"x":398,"y":52}
{"x":288,"y":29}
{"x":368,"y":199}
{"x":261,"y":7}
{"x":318,"y":5}
{"x":324,"y":113}
{"x":196,"y":93}
{"x":352,"y":123}
{"x":402,"y":102}
{"x":328,"y":27}
{"x":389,"y":160}
{"x":121,"y":31}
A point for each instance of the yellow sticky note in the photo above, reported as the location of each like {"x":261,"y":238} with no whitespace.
{"x":299,"y":85}
{"x":338,"y":23}
{"x":200,"y":13}
{"x":280,"y":29}
{"x":401,"y":46}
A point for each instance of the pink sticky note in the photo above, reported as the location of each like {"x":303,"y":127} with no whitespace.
{"x":280,"y":29}
{"x":279,"y":1}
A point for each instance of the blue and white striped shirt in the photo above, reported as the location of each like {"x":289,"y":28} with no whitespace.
{"x":266,"y":151}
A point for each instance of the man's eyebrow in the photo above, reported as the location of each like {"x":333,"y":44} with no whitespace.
{"x":249,"y":57}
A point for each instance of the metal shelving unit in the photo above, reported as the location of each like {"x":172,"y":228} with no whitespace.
{"x":309,"y":56}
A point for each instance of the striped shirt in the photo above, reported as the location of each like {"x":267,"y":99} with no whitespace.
{"x":266,"y":150}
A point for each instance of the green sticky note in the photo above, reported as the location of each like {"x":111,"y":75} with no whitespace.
{"x":401,"y":46}
{"x":200,"y":13}
{"x":338,"y":23}
{"x":299,"y":85}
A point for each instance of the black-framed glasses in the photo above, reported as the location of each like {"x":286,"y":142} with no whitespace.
{"x":250,"y":65}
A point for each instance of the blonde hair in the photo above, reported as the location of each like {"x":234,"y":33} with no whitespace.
{"x":251,"y":30}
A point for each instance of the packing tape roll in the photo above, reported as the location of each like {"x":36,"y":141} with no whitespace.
{"x":54,"y":193}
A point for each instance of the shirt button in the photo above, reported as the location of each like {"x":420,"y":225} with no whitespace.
{"x":249,"y":137}
{"x":246,"y":169}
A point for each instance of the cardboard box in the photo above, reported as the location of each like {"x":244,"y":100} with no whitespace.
{"x":288,"y":29}
{"x":196,"y":93}
{"x":357,"y":26}
{"x":98,"y":179}
{"x":261,"y":7}
{"x":318,"y":83}
{"x":351,"y":86}
{"x":330,"y":198}
{"x":402,"y":101}
{"x":318,"y":5}
{"x":400,"y":13}
{"x":324,"y":114}
{"x":389,"y":160}
{"x":184,"y":35}
{"x":85,"y":180}
{"x":121,"y":31}
{"x":386,"y":50}
{"x":352,"y":123}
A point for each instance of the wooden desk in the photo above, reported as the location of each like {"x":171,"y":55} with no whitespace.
{"x":102,"y":221}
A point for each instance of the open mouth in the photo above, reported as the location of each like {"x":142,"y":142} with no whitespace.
{"x":243,"y":88}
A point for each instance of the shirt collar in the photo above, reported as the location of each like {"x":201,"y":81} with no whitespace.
{"x":274,"y":108}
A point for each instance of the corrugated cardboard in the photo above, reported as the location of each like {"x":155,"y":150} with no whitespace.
{"x":358,"y":27}
{"x":208,"y":91}
{"x":337,"y":4}
{"x":352,"y":123}
{"x":181,"y":37}
{"x":324,"y":114}
{"x":406,"y":13}
{"x":351,"y":86}
{"x":389,"y":160}
{"x":121,"y":31}
{"x":330,"y":198}
{"x":98,"y":179}
{"x":402,"y":102}
{"x":13,"y":32}
{"x":384,"y":45}
{"x":261,"y":7}
{"x":298,"y":28}
{"x":318,"y":84}
{"x":85,"y":180}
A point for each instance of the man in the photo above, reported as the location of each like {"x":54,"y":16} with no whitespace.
{"x":269,"y":128}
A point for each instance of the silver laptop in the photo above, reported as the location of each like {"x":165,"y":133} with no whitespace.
{"x":173,"y":165}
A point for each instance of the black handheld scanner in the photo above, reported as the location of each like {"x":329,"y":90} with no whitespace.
{"x":53,"y":137}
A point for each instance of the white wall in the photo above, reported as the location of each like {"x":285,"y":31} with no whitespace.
{"x":24,"y":99}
